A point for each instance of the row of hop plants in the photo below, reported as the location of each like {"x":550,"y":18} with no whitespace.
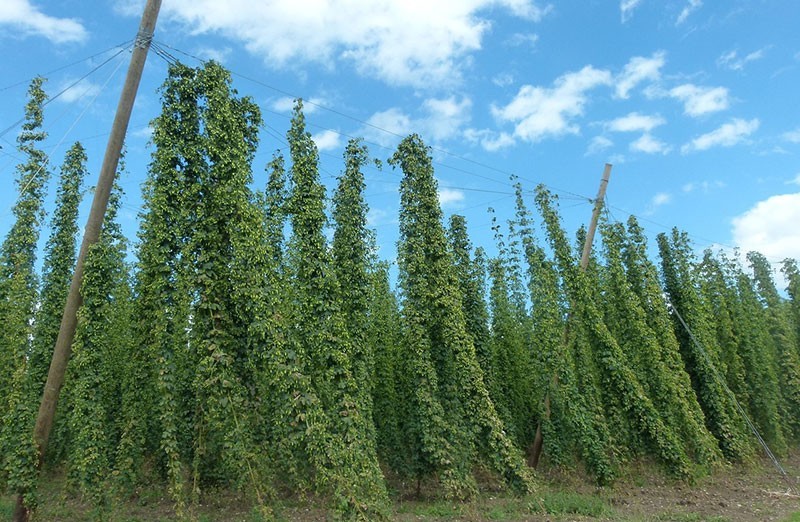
{"x":241,"y":349}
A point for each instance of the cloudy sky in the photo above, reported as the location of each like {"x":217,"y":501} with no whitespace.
{"x":694,"y":103}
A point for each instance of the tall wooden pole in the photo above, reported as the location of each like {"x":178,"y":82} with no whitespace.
{"x":598,"y":206}
{"x":535,"y":452}
{"x":69,"y":320}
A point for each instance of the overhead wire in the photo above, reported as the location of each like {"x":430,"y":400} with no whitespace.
{"x":126,"y":43}
{"x":49,"y":155}
{"x":65,"y":89}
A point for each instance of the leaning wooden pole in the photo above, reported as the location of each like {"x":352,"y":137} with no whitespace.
{"x":598,"y":206}
{"x":538,"y":441}
{"x":69,"y":320}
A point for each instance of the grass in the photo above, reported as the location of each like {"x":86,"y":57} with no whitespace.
{"x":6,"y":508}
{"x":550,"y":502}
{"x":554,"y":501}
{"x":571,"y":503}
{"x":151,"y":506}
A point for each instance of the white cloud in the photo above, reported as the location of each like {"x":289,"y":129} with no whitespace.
{"x":210,"y":53}
{"x":422,"y":44}
{"x":286,"y":104}
{"x":440,"y":119}
{"x":445,"y":116}
{"x":449,"y":196}
{"x":659,"y":200}
{"x":503,"y":80}
{"x":727,"y":135}
{"x":327,"y":140}
{"x":394,"y":121}
{"x":638,"y":70}
{"x":82,"y":90}
{"x":635,"y":122}
{"x":705,"y":186}
{"x":690,"y":8}
{"x":698,"y":101}
{"x":599,"y":144}
{"x":520,"y":39}
{"x":526,"y":9}
{"x":616,"y":159}
{"x":490,"y":140}
{"x":26,"y":18}
{"x":650,"y":145}
{"x":770,"y":227}
{"x":796,"y":180}
{"x":662,"y":198}
{"x":377,"y":217}
{"x":129,"y":7}
{"x":626,"y":8}
{"x":731,"y":60}
{"x":541,"y":112}
{"x":792,"y":136}
{"x":145,"y":132}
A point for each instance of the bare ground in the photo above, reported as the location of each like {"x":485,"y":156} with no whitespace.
{"x":754,"y":493}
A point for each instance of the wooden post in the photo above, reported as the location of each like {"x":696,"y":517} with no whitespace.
{"x":598,"y":206}
{"x":69,"y":320}
{"x":535,"y":452}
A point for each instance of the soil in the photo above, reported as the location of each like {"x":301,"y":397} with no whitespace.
{"x":756,"y":493}
{"x":753,"y":493}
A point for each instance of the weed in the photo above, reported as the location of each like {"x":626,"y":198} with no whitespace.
{"x":570,"y":503}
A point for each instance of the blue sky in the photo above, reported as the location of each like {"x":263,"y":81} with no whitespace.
{"x":694,"y":103}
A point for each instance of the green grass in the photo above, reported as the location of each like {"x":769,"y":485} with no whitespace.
{"x":6,"y":508}
{"x":794,"y":517}
{"x":548,"y":502}
{"x":571,"y":503}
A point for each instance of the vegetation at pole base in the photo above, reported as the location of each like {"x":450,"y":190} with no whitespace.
{"x":699,"y":349}
{"x":617,"y":377}
{"x":453,"y":420}
{"x":569,"y":404}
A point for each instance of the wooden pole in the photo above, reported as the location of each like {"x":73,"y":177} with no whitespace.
{"x":598,"y":206}
{"x":69,"y":320}
{"x":535,"y":452}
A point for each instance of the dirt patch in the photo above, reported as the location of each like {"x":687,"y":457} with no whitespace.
{"x":741,"y":493}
